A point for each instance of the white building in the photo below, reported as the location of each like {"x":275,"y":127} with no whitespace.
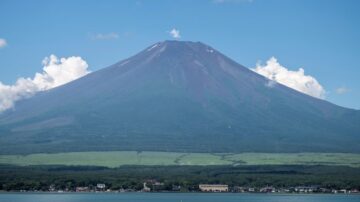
{"x":101,"y":186}
{"x":214,"y":187}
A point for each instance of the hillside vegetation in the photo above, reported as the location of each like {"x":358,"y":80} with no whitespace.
{"x":187,"y":177}
{"x":121,"y":158}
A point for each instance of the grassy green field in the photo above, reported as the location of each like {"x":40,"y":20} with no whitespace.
{"x":120,"y":158}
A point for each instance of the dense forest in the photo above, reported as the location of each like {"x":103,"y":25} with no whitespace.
{"x":186,"y":178}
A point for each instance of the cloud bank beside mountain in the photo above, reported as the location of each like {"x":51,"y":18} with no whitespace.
{"x":59,"y":71}
{"x":56,"y":72}
{"x":297,"y":80}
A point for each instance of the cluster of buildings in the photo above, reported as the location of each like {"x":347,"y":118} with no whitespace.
{"x":156,"y":186}
{"x":214,"y":188}
{"x":152,"y":185}
{"x":100,"y":187}
{"x":271,"y":189}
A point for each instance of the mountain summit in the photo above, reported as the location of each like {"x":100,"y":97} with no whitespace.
{"x":177,"y":96}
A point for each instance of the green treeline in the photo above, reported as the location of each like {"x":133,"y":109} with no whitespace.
{"x":187,"y":177}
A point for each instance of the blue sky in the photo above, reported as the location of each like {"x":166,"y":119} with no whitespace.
{"x":320,"y":36}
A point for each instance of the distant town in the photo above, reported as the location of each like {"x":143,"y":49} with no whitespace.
{"x":156,"y":186}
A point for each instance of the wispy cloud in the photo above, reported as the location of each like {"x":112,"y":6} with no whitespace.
{"x":297,"y":80}
{"x":56,"y":72}
{"x":107,"y":36}
{"x":175,"y":33}
{"x":3,"y":43}
{"x":342,"y":90}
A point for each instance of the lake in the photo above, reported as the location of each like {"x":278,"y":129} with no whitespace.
{"x":173,"y":197}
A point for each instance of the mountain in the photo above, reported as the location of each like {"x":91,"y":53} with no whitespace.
{"x":177,"y":96}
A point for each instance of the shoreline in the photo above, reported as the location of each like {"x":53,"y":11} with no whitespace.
{"x":169,"y":192}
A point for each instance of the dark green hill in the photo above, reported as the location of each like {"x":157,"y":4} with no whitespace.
{"x":177,"y":96}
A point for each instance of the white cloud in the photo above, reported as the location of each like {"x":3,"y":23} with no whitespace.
{"x":108,"y":36}
{"x":175,"y":33}
{"x":56,"y":72}
{"x":3,"y":43}
{"x":294,"y":79}
{"x":342,"y":90}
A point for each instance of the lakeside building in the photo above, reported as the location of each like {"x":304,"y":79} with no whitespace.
{"x":214,"y":188}
{"x":153,"y":185}
{"x":82,"y":189}
{"x":101,"y":187}
{"x":146,"y":188}
{"x":267,"y":189}
{"x":307,"y":189}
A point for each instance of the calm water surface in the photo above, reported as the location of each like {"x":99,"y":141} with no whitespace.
{"x":173,"y":197}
